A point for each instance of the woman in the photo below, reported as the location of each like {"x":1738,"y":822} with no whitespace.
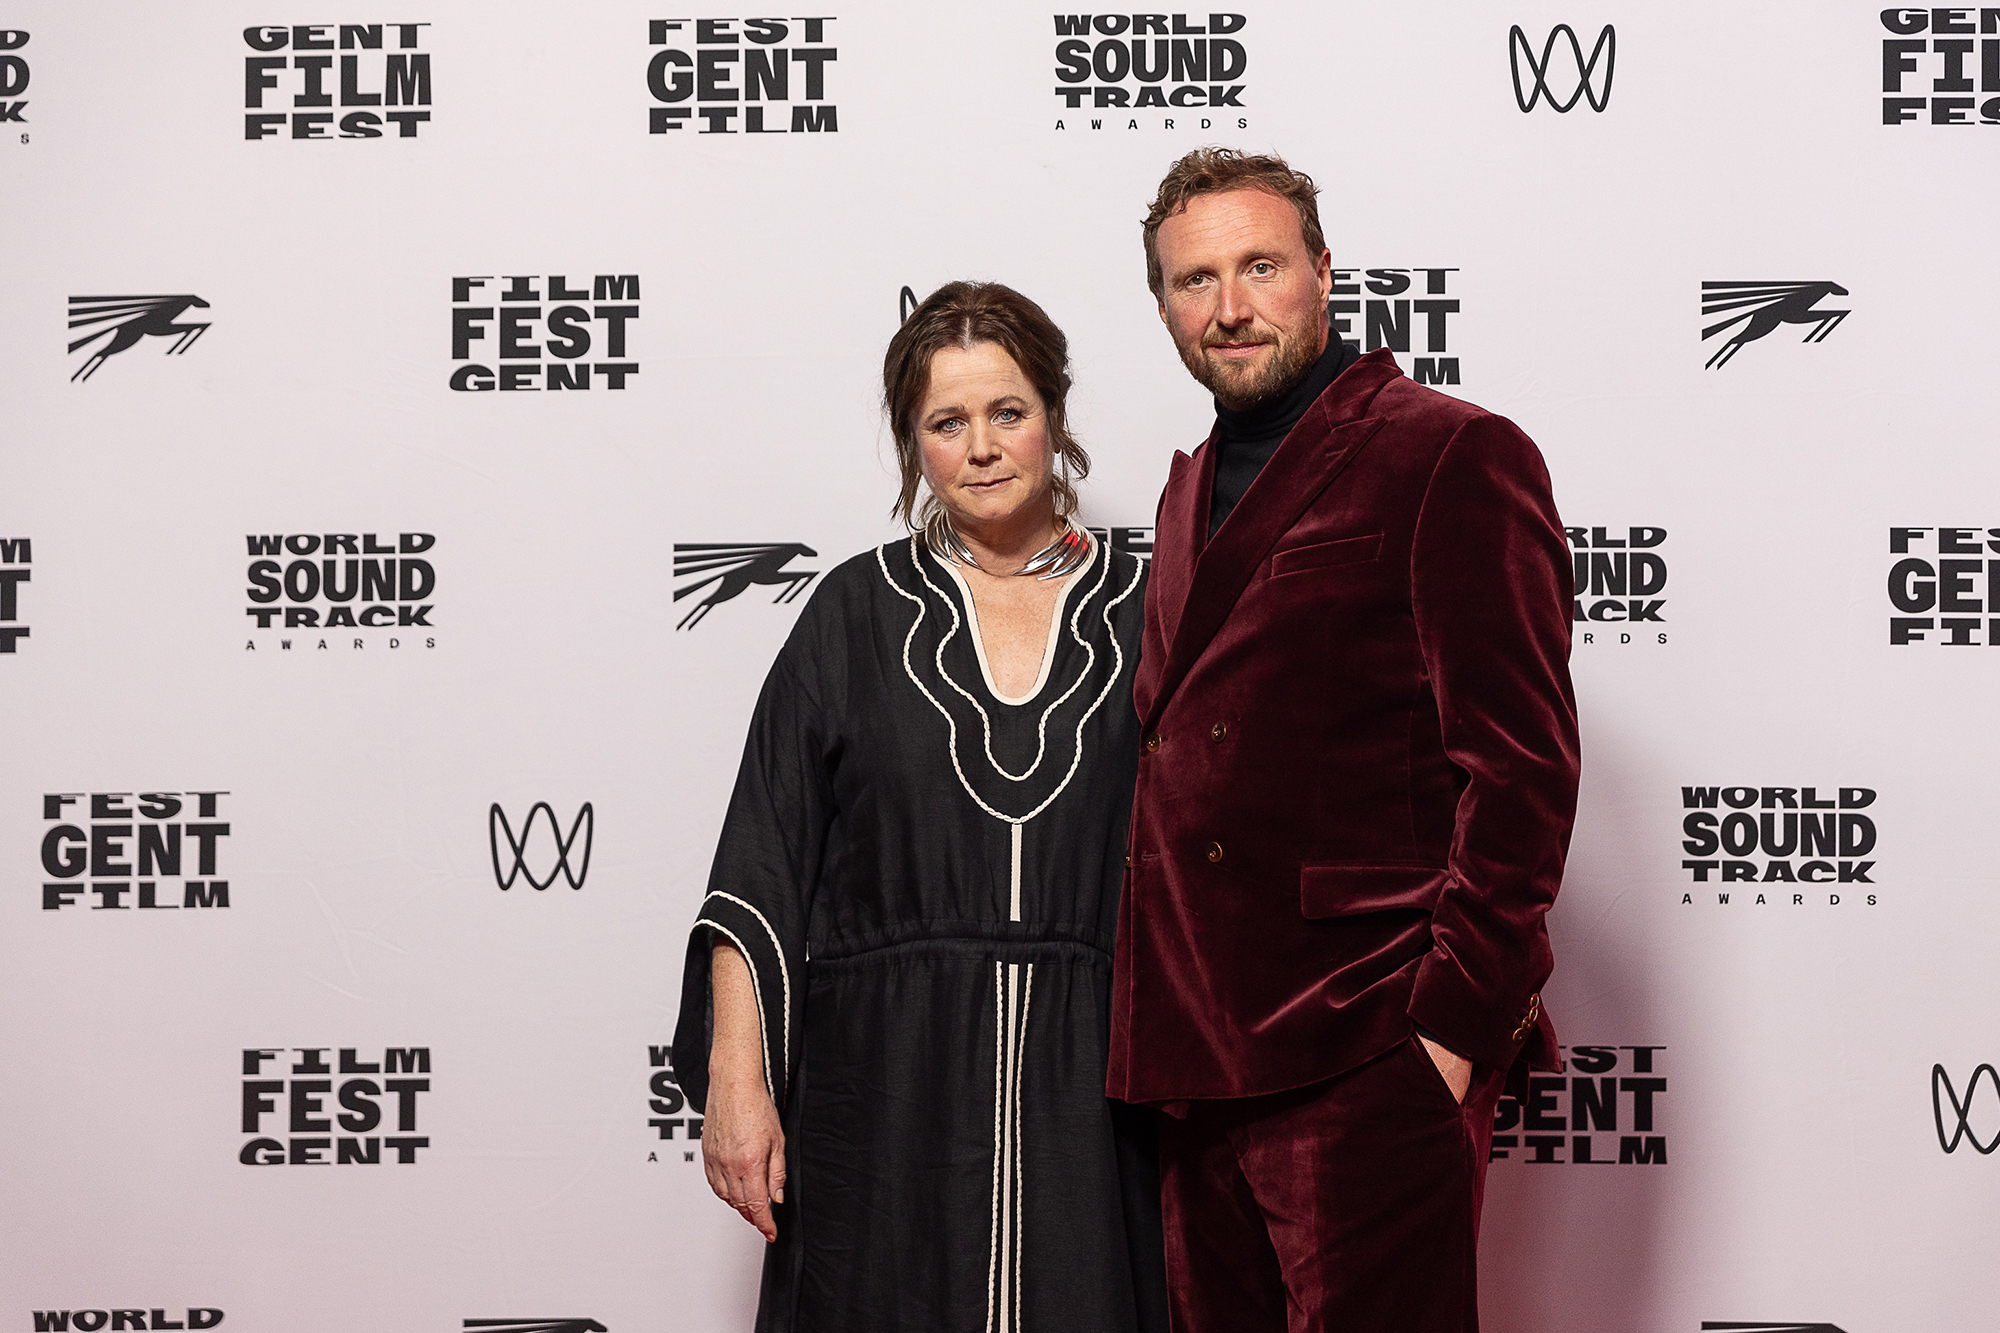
{"x":897,"y":994}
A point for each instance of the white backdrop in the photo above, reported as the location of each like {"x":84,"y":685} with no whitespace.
{"x":1799,"y":1175}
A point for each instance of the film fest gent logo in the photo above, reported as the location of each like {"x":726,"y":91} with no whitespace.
{"x":13,"y":77}
{"x":1956,"y":575}
{"x":1132,"y":541}
{"x":336,"y":66}
{"x":1934,"y":50}
{"x":500,"y":833}
{"x":1602,"y":1115}
{"x":1561,"y":65}
{"x":1754,"y":309}
{"x":722,"y":572}
{"x":16,"y":553}
{"x":671,"y":1113}
{"x":1616,"y":579}
{"x":1800,"y":836}
{"x":341,"y":580}
{"x":353,"y":1093}
{"x":571,"y":331}
{"x":1391,"y":309}
{"x":1180,"y":64}
{"x":723,"y":69}
{"x":89,"y":1321}
{"x":1957,"y":1126}
{"x":123,"y":320}
{"x":123,"y":847}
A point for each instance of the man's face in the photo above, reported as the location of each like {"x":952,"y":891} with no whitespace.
{"x":1245,"y":302}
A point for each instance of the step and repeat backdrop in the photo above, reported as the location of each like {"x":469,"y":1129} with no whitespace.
{"x":422,"y":426}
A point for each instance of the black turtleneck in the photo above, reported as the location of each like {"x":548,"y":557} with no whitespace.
{"x":1245,"y":441}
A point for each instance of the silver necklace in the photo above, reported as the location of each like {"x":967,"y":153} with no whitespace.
{"x":1064,"y":555}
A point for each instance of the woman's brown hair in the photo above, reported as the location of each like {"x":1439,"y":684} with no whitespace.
{"x":965,"y":314}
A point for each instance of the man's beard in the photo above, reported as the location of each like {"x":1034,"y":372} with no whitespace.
{"x":1291,"y":358}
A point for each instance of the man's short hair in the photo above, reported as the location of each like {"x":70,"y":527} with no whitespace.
{"x":1213,"y":170}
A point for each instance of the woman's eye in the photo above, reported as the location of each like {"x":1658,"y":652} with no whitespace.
{"x":949,"y":426}
{"x":1008,"y":414}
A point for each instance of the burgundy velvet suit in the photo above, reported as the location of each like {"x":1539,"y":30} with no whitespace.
{"x":1360,"y":763}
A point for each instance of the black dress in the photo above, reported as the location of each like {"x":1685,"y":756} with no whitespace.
{"x":924,"y":878}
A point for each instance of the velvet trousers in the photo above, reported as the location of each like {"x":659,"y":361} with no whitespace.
{"x":1350,"y":1205}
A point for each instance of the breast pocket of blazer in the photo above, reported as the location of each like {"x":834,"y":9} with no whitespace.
{"x":1326,"y":555}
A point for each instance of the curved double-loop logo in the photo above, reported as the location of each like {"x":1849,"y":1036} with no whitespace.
{"x":498,"y":830}
{"x":1519,"y":50}
{"x":1942,"y":1093}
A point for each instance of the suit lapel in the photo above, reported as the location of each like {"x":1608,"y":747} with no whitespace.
{"x":1324,"y":442}
{"x":1184,"y":525}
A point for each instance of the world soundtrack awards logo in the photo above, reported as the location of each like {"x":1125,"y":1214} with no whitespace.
{"x":1755,"y":310}
{"x":500,"y":833}
{"x":1390,"y":318}
{"x":728,"y":571}
{"x":16,"y":554}
{"x":125,"y":320}
{"x":300,"y":1105}
{"x":723,"y":68}
{"x":370,"y":74}
{"x":1803,"y":838}
{"x":668,"y":1104}
{"x":571,"y":331}
{"x":13,"y":78}
{"x":1935,"y":48}
{"x":1957,"y":573}
{"x":1181,"y":64}
{"x":1943,"y":1094}
{"x":1604,"y":1114}
{"x":1578,"y":73}
{"x":1616,"y":579}
{"x":90,"y":1321}
{"x":129,"y":846}
{"x":341,"y":580}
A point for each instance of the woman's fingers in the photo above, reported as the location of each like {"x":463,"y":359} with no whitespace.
{"x":775,"y":1168}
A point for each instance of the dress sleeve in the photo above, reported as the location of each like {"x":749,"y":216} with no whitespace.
{"x":761,"y":886}
{"x":1491,"y":581}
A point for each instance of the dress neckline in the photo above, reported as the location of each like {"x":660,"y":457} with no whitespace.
{"x":1069,"y":583}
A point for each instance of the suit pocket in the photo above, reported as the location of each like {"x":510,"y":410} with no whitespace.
{"x":1352,"y":890}
{"x":1325,"y":555}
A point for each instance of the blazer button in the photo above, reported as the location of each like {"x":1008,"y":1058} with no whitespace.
{"x":1152,"y":742}
{"x":1215,"y":851}
{"x":1128,"y":860}
{"x":1218,"y":731}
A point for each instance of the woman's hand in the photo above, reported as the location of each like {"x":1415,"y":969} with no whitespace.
{"x":743,"y":1151}
{"x":742,"y":1140}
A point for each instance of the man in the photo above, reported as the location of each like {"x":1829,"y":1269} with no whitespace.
{"x":1355,"y":793}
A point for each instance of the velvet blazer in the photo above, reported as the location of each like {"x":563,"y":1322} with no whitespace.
{"x":1359,"y":757}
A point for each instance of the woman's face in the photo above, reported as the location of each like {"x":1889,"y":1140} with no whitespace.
{"x":984,"y":435}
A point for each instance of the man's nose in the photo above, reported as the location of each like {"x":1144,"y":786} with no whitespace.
{"x":1232,"y":308}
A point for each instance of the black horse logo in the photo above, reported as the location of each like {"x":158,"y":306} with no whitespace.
{"x":128,"y":319}
{"x":732,"y":569}
{"x":1762,"y":306}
